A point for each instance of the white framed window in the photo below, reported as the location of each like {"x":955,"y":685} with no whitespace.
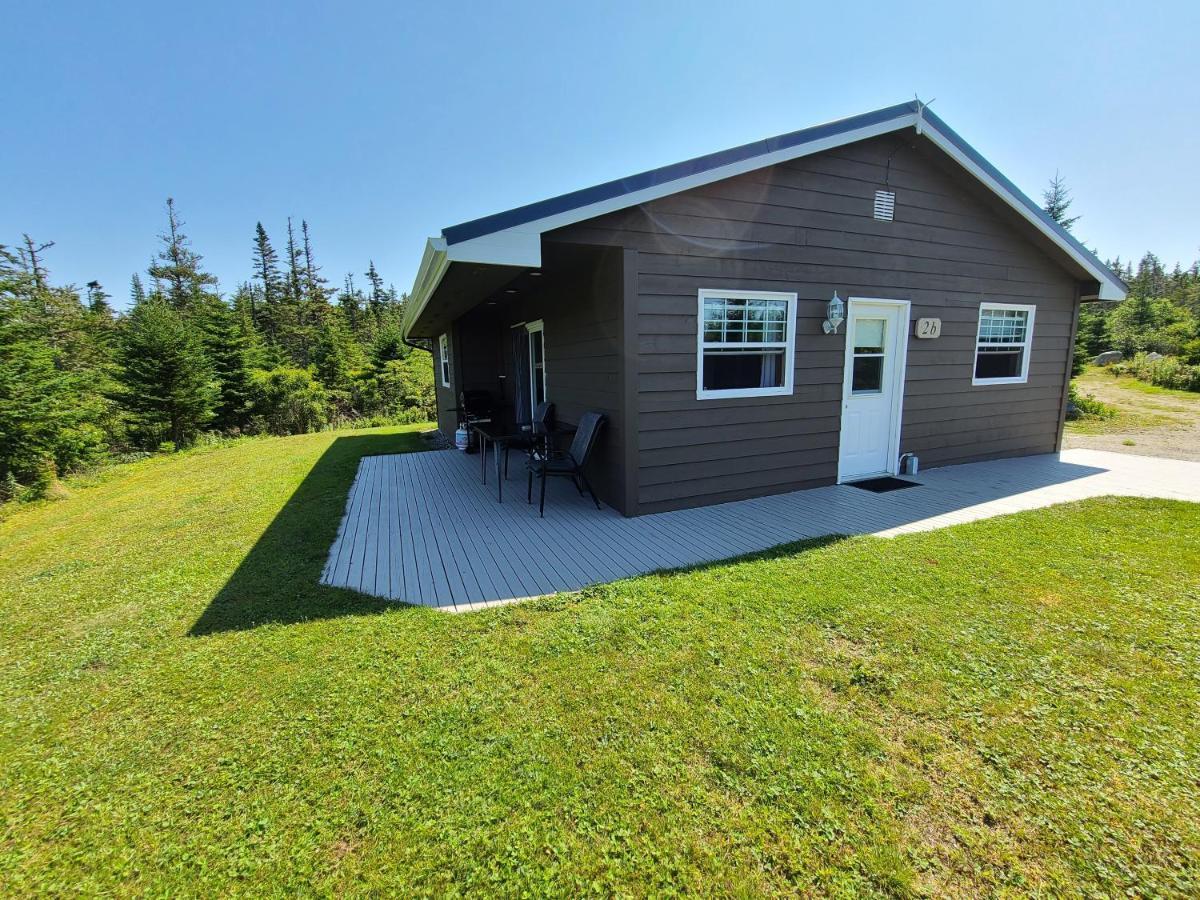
{"x":744,"y":343}
{"x":536,"y":332}
{"x":444,"y":359}
{"x":1003,"y":343}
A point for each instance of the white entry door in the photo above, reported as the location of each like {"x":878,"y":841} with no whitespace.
{"x":873,"y":388}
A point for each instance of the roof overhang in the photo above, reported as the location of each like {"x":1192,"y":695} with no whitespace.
{"x":514,"y":238}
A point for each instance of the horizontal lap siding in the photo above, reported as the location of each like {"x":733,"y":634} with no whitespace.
{"x":580,"y":306}
{"x":447,"y":421}
{"x":806,"y":226}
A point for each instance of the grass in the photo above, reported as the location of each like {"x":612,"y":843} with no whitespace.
{"x":1004,"y":707}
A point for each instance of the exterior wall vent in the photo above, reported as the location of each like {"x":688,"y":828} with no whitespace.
{"x":885,"y":205}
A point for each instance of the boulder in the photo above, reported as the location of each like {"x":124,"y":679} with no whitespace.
{"x":1151,"y":357}
{"x":1109,"y":357}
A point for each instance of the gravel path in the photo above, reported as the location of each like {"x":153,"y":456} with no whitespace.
{"x":1147,"y":424}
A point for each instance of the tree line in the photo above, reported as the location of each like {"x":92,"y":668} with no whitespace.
{"x":285,"y":353}
{"x":1161,"y":313}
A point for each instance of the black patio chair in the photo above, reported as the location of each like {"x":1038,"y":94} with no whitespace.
{"x":535,"y":434}
{"x":569,"y":463}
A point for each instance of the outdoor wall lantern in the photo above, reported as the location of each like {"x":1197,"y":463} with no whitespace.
{"x":835,"y":315}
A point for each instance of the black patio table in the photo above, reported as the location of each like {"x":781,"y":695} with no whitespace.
{"x":500,"y":436}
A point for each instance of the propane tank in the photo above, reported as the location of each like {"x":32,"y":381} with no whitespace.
{"x":462,"y":438}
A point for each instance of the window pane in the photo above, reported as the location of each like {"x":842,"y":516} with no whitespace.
{"x":729,"y":370}
{"x":868,"y":375}
{"x":868,"y":335}
{"x":729,"y":320}
{"x":1002,"y":326}
{"x":991,"y":363}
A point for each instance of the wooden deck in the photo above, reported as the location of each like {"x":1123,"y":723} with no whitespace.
{"x":421,"y":528}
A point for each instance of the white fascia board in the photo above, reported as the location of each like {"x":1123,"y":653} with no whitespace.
{"x":1109,"y":289}
{"x":434,"y":264}
{"x":521,"y":244}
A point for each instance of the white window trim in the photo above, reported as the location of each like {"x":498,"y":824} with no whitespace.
{"x":1028,"y":345}
{"x":789,"y":355}
{"x":444,"y":360}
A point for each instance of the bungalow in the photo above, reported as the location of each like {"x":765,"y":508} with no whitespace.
{"x":698,"y":307}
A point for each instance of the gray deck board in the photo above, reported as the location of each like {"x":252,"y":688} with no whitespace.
{"x":421,"y":528}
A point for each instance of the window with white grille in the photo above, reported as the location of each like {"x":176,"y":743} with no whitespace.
{"x":745,"y":343}
{"x":1002,"y":344}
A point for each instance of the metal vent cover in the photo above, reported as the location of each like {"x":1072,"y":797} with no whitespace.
{"x":885,"y":205}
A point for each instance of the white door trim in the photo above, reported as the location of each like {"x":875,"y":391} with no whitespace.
{"x":905,"y":307}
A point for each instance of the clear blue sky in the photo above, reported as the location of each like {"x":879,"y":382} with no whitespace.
{"x":383,"y":122}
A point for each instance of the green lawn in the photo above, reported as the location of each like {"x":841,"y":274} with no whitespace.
{"x":1008,"y":706}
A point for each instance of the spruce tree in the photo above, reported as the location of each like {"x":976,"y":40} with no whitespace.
{"x":316,"y":289}
{"x":350,"y":300}
{"x":137,"y":293}
{"x":98,"y":300}
{"x":226,"y":343}
{"x":1057,"y":200}
{"x":166,"y":382}
{"x":377,"y":299}
{"x":270,"y":282}
{"x":177,"y":266}
{"x":295,"y":260}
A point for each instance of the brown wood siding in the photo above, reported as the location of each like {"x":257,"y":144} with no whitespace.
{"x":807,"y":226}
{"x":447,"y":422}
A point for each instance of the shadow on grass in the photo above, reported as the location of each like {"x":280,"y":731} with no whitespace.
{"x":277,"y":582}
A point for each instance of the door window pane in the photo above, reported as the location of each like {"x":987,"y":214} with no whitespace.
{"x":868,"y":335}
{"x":867,"y":375}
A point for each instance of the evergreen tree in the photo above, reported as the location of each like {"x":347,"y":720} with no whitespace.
{"x":378,"y":297}
{"x":389,"y":346}
{"x":226,"y":344}
{"x":137,"y":293}
{"x":270,"y":282}
{"x":177,"y":266}
{"x":166,"y":381}
{"x":295,"y":278}
{"x":1151,"y":278}
{"x":1091,"y":338}
{"x":351,"y":302}
{"x":337,"y":358}
{"x":48,"y":420}
{"x":1057,"y":200}
{"x":98,"y":300}
{"x":31,"y":263}
{"x":316,"y":289}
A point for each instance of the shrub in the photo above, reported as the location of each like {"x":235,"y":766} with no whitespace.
{"x":288,"y":401}
{"x":1086,"y":406}
{"x":1168,"y":372}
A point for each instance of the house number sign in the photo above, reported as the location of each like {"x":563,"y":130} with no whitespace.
{"x":929,"y":328}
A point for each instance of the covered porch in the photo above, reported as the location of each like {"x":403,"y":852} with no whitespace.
{"x":421,"y":528}
{"x":547,"y":334}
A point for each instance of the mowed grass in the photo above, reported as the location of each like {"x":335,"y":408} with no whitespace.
{"x":1009,"y":706}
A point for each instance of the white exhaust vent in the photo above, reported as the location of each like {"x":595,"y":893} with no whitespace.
{"x":885,"y":205}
